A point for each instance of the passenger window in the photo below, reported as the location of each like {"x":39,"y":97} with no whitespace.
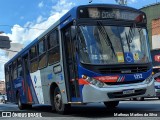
{"x":34,"y":65}
{"x":53,"y":40}
{"x":42,"y":61}
{"x":6,"y":74}
{"x":33,"y":59}
{"x":19,"y":67}
{"x":14,"y":70}
{"x":41,"y":47}
{"x":42,"y":54}
{"x":53,"y":55}
{"x":53,"y":47}
{"x":33,"y":52}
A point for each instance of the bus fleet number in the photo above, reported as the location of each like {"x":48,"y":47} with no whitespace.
{"x":138,"y":76}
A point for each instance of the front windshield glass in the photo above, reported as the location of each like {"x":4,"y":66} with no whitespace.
{"x":113,"y":45}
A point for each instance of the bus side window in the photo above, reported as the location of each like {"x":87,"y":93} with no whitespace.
{"x":33,"y":59}
{"x":14,"y":70}
{"x":42,"y":54}
{"x":6,"y":74}
{"x":19,"y":67}
{"x":53,"y":47}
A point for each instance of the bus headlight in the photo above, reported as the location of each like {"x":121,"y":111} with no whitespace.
{"x":149,"y":79}
{"x":93,"y":81}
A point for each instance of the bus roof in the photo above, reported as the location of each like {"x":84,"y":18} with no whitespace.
{"x":72,"y":15}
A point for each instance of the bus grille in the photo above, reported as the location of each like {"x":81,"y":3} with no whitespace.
{"x":127,"y":69}
{"x":121,"y":95}
{"x":126,"y":82}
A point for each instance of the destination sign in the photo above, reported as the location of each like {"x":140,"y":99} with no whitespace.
{"x":110,"y":13}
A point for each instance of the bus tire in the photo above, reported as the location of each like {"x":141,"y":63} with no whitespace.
{"x":21,"y":106}
{"x":58,"y":103}
{"x":111,"y":104}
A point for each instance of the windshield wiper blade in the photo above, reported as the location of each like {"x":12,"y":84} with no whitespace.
{"x":128,"y":43}
{"x":105,"y":36}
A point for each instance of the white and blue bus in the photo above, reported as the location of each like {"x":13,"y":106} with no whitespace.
{"x":94,"y":53}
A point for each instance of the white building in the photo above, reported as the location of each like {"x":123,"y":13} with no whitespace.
{"x":14,"y":49}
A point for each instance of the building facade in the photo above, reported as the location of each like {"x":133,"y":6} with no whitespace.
{"x":14,"y":49}
{"x":2,"y":87}
{"x":153,"y":24}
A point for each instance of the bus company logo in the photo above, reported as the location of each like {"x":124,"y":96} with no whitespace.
{"x":108,"y":78}
{"x":157,"y":58}
{"x":35,"y":79}
{"x":6,"y":114}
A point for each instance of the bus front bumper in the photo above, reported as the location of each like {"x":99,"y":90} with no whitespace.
{"x":91,"y":93}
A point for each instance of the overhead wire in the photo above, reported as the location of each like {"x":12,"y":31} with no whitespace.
{"x":23,"y":27}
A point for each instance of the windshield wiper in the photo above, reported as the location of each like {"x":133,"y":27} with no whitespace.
{"x":131,"y":33}
{"x":105,"y":35}
{"x":128,"y":43}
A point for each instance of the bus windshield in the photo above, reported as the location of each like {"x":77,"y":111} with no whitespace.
{"x":113,"y":44}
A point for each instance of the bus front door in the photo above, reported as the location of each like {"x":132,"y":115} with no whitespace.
{"x":70,"y":68}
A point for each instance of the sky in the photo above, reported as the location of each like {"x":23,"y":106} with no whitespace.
{"x":24,"y":20}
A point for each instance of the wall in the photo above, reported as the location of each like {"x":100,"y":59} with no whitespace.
{"x":156,"y":33}
{"x":152,"y":12}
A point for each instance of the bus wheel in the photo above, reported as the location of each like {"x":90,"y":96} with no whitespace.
{"x":111,"y":104}
{"x":20,"y":105}
{"x":58,"y":103}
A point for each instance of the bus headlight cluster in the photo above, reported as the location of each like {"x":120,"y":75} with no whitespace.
{"x":149,"y":79}
{"x":93,"y":81}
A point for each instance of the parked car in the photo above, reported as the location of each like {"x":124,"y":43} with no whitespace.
{"x":3,"y":98}
{"x":155,"y":54}
{"x":157,"y":88}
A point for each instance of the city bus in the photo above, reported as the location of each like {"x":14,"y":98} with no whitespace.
{"x":94,"y":53}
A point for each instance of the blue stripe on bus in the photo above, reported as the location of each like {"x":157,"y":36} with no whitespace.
{"x":128,"y":77}
{"x":80,"y":89}
{"x":74,"y":99}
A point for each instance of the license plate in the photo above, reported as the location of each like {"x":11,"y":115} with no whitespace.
{"x":126,"y":92}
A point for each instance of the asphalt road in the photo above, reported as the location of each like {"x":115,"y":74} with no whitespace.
{"x":128,"y":110}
